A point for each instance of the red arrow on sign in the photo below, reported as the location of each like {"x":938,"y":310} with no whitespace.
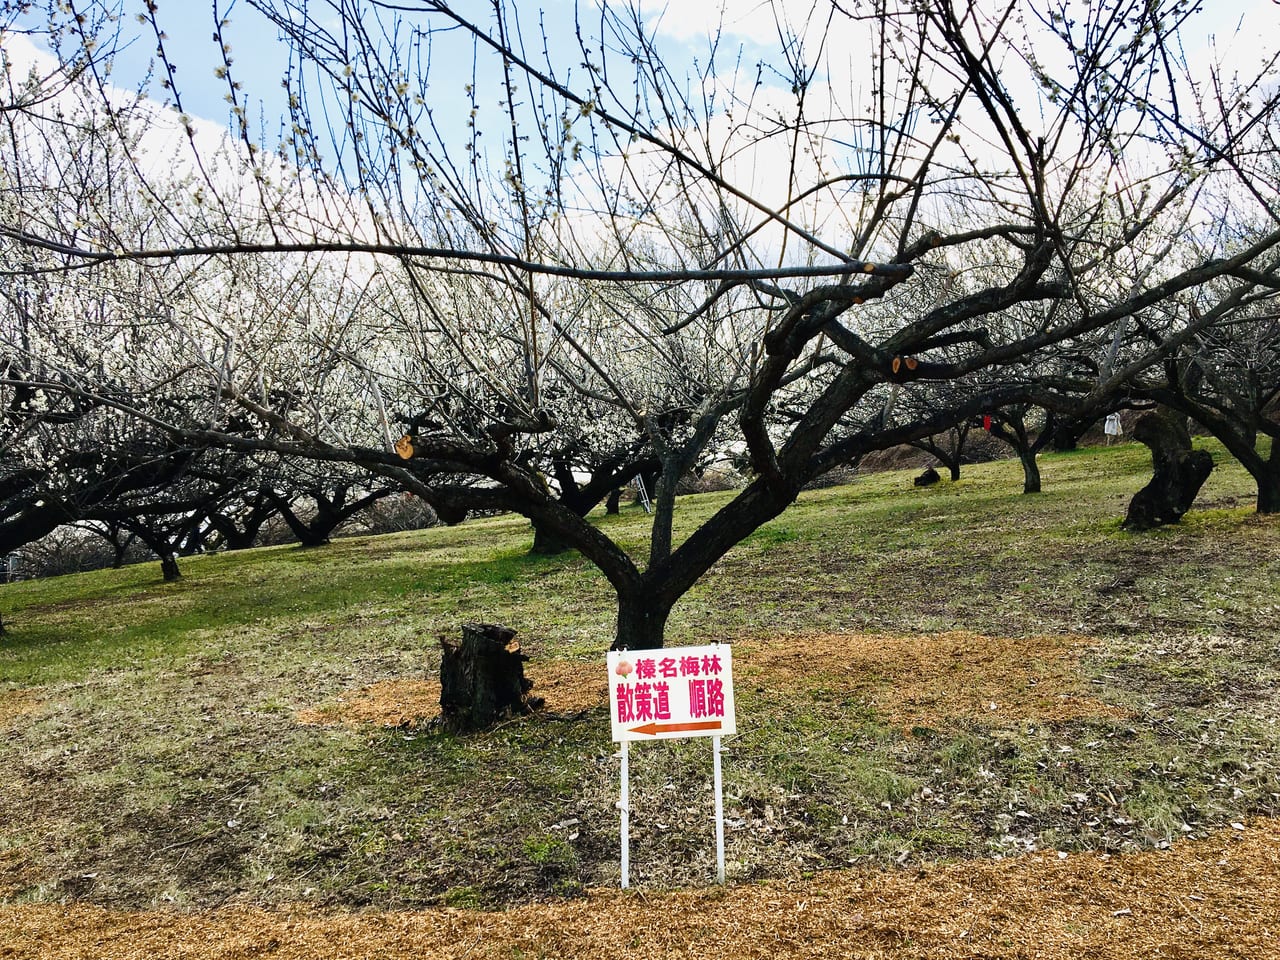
{"x":655,"y":728}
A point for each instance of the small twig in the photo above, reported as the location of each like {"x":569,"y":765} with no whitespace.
{"x":1188,"y":912}
{"x":190,"y":840}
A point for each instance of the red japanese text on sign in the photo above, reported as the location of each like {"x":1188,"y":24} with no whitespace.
{"x":676,"y":692}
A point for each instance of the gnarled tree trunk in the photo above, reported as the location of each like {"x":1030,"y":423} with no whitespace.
{"x":546,"y":543}
{"x":482,"y":678}
{"x":1179,"y":473}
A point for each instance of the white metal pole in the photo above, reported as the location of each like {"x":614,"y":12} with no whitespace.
{"x":624,"y":806}
{"x":715,"y":752}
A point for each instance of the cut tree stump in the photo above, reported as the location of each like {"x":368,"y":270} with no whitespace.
{"x":482,"y":678}
{"x":1179,"y":473}
{"x":928,"y":478}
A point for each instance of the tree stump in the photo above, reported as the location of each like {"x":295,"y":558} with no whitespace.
{"x":482,"y":678}
{"x":928,"y":478}
{"x":1178,"y":473}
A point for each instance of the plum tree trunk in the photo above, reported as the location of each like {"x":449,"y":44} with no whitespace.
{"x":1065,"y":432}
{"x":642,"y":621}
{"x":1030,"y":470}
{"x":1269,"y":491}
{"x":482,"y":678}
{"x":1179,"y":473}
{"x":546,"y":543}
{"x":169,"y":567}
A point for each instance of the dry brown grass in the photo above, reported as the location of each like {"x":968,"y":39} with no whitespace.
{"x":1210,"y":898}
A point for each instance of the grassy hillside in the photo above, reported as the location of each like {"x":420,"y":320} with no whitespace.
{"x":924,"y":673}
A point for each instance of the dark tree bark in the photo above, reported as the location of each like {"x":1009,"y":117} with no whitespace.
{"x":332,"y":509}
{"x":1066,"y":432}
{"x":240,"y":524}
{"x":642,"y":621}
{"x":163,"y":534}
{"x":1030,"y":471}
{"x":1010,"y":426}
{"x":546,"y":543}
{"x":582,"y":498}
{"x":169,"y":567}
{"x":612,"y":503}
{"x":27,"y":522}
{"x":482,"y":678}
{"x":1179,"y":473}
{"x":927,"y":479}
{"x":32,"y":504}
{"x":948,"y":448}
{"x":447,"y":514}
{"x":120,"y":540}
{"x":1268,"y":480}
{"x":1237,"y":424}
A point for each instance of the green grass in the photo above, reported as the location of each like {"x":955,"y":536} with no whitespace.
{"x":165,"y":763}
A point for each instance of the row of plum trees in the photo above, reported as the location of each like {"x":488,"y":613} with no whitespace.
{"x":589,"y":251}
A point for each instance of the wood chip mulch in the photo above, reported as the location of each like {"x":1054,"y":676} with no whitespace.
{"x":567,"y":687}
{"x":18,"y":703}
{"x":931,"y":679}
{"x":387,"y":703}
{"x":919,"y":680}
{"x":1214,"y":898}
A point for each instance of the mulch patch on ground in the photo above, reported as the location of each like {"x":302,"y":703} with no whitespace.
{"x":567,"y":687}
{"x":15,"y":874}
{"x":387,"y":703}
{"x":921,"y":680}
{"x":1208,"y":898}
{"x":929,"y":679}
{"x":18,"y":703}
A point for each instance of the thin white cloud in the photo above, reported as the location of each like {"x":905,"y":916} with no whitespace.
{"x":751,"y":21}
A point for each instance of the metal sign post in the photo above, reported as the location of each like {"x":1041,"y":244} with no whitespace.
{"x":715,"y":752}
{"x":663,"y":695}
{"x":624,"y":807}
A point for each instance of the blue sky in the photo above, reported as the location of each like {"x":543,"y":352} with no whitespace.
{"x":1242,"y":30}
{"x":260,"y":59}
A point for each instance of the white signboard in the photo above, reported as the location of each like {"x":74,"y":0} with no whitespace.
{"x":671,"y":692}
